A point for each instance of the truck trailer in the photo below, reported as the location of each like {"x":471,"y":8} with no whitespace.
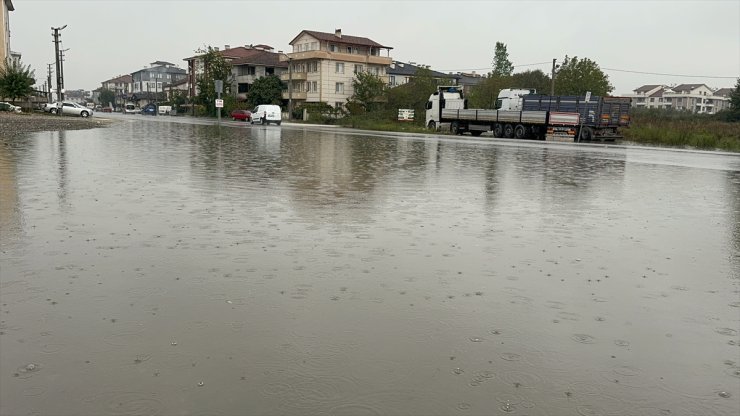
{"x":521,"y":113}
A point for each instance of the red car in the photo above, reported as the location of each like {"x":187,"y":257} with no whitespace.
{"x":245,"y":115}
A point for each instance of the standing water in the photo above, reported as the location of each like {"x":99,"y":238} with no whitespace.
{"x":157,"y":269}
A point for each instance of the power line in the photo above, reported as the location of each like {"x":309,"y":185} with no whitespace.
{"x":605,"y":68}
{"x":488,"y":68}
{"x":667,"y":75}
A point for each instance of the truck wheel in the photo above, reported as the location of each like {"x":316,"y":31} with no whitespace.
{"x":586,"y":134}
{"x":432,"y":125}
{"x":455,"y":128}
{"x":508,"y":131}
{"x":520,"y":132}
{"x":498,"y":130}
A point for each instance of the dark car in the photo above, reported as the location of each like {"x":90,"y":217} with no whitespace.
{"x":244,"y":115}
{"x":149,"y":110}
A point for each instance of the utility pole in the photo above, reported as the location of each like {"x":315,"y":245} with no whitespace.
{"x":552,"y":80}
{"x":56,"y":36}
{"x":48,"y":82}
{"x":61,"y":68}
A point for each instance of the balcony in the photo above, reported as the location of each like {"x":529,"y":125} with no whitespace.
{"x":338,"y":56}
{"x":296,"y":95}
{"x":297,"y":76}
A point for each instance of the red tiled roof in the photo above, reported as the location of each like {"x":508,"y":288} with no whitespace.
{"x":260,"y":57}
{"x":346,"y":39}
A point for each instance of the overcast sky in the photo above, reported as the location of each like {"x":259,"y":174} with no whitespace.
{"x":111,"y":37}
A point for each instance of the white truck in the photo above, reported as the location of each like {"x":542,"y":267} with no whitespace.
{"x":521,"y":113}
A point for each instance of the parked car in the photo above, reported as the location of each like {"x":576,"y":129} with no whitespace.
{"x":149,"y":109}
{"x":68,"y":108}
{"x":9,"y":107}
{"x":107,"y":109}
{"x":130,"y":108}
{"x":244,"y":115}
{"x":266,"y":114}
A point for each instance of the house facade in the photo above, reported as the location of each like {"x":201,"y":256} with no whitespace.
{"x":148,"y":83}
{"x":248,"y":63}
{"x":5,"y":29}
{"x":695,"y":98}
{"x":323,"y":65}
{"x":400,"y":73}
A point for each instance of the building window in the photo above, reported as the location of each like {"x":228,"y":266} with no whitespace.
{"x":242,"y":88}
{"x":333,"y":48}
{"x":339,"y":88}
{"x":358,"y":69}
{"x":314,"y":86}
{"x":313,"y":66}
{"x":393,"y":80}
{"x":339,"y":68}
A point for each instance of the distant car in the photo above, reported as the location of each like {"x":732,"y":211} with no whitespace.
{"x":130,"y":108}
{"x":244,"y":115}
{"x":107,"y":109}
{"x":69,"y":108}
{"x":9,"y":107}
{"x":267,"y":113}
{"x":149,"y":109}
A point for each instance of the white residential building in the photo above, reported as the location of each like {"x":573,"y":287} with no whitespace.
{"x":323,"y":65}
{"x":248,"y":63}
{"x":695,"y":98}
{"x":5,"y":30}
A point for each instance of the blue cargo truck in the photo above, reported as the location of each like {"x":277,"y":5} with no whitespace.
{"x":523,"y":114}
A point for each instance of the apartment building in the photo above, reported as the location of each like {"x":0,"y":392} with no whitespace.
{"x":696,"y":98}
{"x":5,"y":30}
{"x":248,"y":63}
{"x":148,"y":83}
{"x":400,"y":73}
{"x":323,"y":65}
{"x":120,"y":85}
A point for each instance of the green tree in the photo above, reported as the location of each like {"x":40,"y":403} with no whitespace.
{"x":106,"y":97}
{"x":266,"y":90}
{"x":16,"y":80}
{"x":531,"y":79}
{"x":732,"y":113}
{"x":215,"y":67}
{"x":413,"y":95}
{"x":484,"y":94}
{"x":576,"y":76}
{"x":369,"y":89}
{"x":502,"y":66}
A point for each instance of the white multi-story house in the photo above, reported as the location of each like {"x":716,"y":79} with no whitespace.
{"x":248,"y":63}
{"x":5,"y":29}
{"x":695,"y":98}
{"x":323,"y":65}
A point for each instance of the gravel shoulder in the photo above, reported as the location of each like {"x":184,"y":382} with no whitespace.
{"x":13,"y":124}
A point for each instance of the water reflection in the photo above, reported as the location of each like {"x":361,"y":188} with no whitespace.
{"x":156,"y":268}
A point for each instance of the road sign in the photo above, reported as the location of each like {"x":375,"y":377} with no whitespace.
{"x":219,"y":85}
{"x":219,"y":103}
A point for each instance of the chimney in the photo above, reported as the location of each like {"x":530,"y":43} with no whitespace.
{"x":227,"y":47}
{"x":338,"y":33}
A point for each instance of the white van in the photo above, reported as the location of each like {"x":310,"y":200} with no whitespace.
{"x":266,"y":114}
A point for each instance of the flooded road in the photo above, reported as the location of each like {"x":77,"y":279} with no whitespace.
{"x":154,"y":268}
